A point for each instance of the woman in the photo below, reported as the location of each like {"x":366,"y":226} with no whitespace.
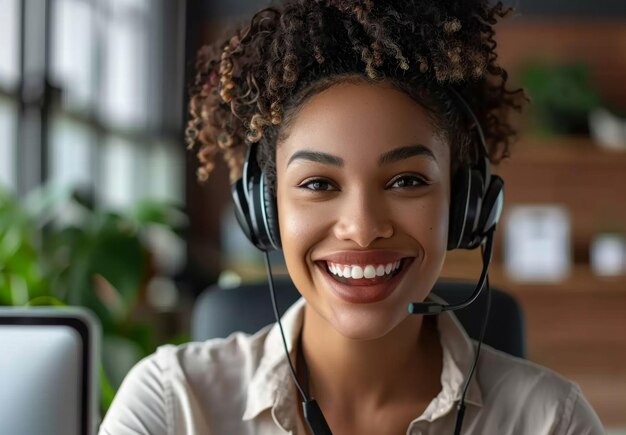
{"x":356,"y":109}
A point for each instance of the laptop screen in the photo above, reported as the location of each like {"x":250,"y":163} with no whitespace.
{"x":47,"y":367}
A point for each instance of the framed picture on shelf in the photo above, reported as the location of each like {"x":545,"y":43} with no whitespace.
{"x":537,"y":244}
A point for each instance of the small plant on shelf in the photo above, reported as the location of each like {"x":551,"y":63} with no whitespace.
{"x":562,"y":97}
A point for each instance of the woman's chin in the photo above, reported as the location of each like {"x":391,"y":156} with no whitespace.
{"x":359,"y":322}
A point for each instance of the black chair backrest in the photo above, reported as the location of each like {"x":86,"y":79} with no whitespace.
{"x":218,"y":312}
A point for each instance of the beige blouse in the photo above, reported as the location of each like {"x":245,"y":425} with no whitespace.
{"x":241,"y":385}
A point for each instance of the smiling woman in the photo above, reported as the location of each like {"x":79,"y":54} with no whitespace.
{"x":373,"y":199}
{"x":348,"y":131}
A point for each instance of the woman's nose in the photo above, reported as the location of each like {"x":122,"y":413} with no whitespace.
{"x":363,"y":219}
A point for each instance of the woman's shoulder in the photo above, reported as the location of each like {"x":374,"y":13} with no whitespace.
{"x":196,"y":356}
{"x":183,"y":384}
{"x":500,"y":369}
{"x":200,"y":368}
{"x":526,"y":388}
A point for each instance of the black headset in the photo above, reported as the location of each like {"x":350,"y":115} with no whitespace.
{"x":476,"y":200}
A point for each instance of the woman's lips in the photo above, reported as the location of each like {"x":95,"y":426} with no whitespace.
{"x":364,"y":290}
{"x":364,"y":257}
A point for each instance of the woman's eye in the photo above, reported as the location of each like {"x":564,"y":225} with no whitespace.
{"x":317,"y":185}
{"x":407,"y":181}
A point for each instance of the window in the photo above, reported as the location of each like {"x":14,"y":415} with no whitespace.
{"x":126,"y":53}
{"x":8,"y":122}
{"x":72,"y":157}
{"x":74,"y":52}
{"x":9,"y":76}
{"x":98,"y":95}
{"x":10,"y":47}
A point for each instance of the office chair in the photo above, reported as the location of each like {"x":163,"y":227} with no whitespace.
{"x":247,"y":308}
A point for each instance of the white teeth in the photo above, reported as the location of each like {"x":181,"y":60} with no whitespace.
{"x":367,"y":271}
{"x":357,"y":272}
{"x":346,"y":272}
{"x":336,"y":270}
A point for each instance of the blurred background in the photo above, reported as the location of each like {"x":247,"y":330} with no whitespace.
{"x":99,"y":204}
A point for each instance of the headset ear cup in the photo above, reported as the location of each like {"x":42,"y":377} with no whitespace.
{"x":255,"y":206}
{"x":458,"y":206}
{"x":493,"y":202}
{"x":271,"y":215}
{"x":242,"y":209}
{"x":471,"y":236}
{"x":263,"y":214}
{"x":467,"y":191}
{"x":257,"y":212}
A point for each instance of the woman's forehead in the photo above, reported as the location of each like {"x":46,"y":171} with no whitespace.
{"x":349,"y":117}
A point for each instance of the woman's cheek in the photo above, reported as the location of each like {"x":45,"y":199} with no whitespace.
{"x":294,"y":229}
{"x":426,"y":222}
{"x":296,"y":237}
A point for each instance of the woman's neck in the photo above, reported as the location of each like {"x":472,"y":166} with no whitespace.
{"x":403,"y":366}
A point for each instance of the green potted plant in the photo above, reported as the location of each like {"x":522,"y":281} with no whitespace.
{"x":56,"y":248}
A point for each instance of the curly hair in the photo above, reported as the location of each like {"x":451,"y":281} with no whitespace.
{"x":249,"y":86}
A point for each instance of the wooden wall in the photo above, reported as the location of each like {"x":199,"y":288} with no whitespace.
{"x":576,"y":327}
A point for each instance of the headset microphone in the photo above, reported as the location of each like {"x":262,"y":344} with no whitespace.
{"x":436,"y":308}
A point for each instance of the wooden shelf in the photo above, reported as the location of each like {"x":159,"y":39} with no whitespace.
{"x":580,"y":280}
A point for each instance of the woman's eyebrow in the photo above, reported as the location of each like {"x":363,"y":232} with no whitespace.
{"x":404,"y":153}
{"x":389,"y":157}
{"x":316,"y":156}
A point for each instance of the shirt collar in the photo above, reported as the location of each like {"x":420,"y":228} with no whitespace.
{"x":272,"y":387}
{"x":458,"y":357}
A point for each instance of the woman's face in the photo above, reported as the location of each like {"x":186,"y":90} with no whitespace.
{"x":363,"y":188}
